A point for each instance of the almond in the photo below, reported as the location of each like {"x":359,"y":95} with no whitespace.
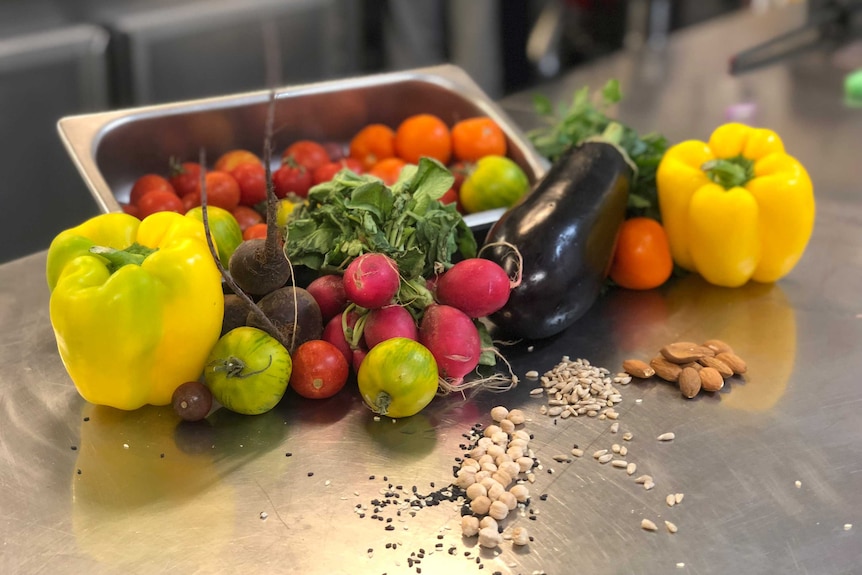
{"x":733,"y":361}
{"x":689,"y":382}
{"x":665,"y":369}
{"x":718,"y":346}
{"x":710,"y":379}
{"x":722,"y":368}
{"x":685,"y":351}
{"x":638,"y":368}
{"x":693,"y":364}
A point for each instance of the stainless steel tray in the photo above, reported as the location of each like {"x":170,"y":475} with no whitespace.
{"x":112,"y":149}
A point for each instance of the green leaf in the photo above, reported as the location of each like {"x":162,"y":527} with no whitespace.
{"x":542,"y":105}
{"x":487,"y":355}
{"x":372,"y":196}
{"x":611,"y":93}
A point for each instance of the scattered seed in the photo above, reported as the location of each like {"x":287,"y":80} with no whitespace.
{"x":599,"y":453}
{"x":798,"y":484}
{"x":578,"y":452}
{"x":848,"y":526}
{"x":677,"y":497}
{"x":680,"y":565}
{"x":666,"y":436}
{"x":537,"y":391}
{"x":620,"y":463}
{"x":263,"y":515}
{"x":649,"y":485}
{"x":606,"y":457}
{"x":624,"y":450}
{"x":561,"y":458}
{"x":643,"y":479}
{"x":671,"y":500}
{"x":615,"y":448}
{"x":648,"y":525}
{"x":631,"y":468}
{"x":532,"y":374}
{"x":628,"y":436}
{"x":671,"y":527}
{"x":615,"y":427}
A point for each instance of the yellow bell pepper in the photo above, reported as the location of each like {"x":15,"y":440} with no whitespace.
{"x":737,"y":207}
{"x":136,"y":306}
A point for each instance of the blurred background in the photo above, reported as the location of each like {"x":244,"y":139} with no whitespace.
{"x":64,"y":57}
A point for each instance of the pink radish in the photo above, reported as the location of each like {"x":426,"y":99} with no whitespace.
{"x":388,"y":322}
{"x":334,"y":334}
{"x":358,"y":356}
{"x":328,"y":291}
{"x":371,"y":280}
{"x":476,"y":286}
{"x":452,"y":339}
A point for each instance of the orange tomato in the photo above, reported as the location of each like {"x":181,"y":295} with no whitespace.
{"x":476,"y":138}
{"x":423,"y":135}
{"x":642,"y":257}
{"x":388,"y":170}
{"x":229,"y":160}
{"x":255,"y":231}
{"x":373,"y":143}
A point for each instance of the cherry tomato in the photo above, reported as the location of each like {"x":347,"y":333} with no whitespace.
{"x":229,"y":160}
{"x":423,"y":135}
{"x":185,"y":177}
{"x":224,"y":228}
{"x":450,"y":197}
{"x":475,"y":138}
{"x":642,"y":258}
{"x":398,"y":377}
{"x":292,"y":178}
{"x":159,"y":201}
{"x":246,"y":217}
{"x":251,"y":178}
{"x":222,"y":190}
{"x":132,"y":210}
{"x":497,"y":182}
{"x":191,"y":200}
{"x":248,"y":371}
{"x":319,"y":370}
{"x":306,"y":153}
{"x":327,"y":171}
{"x":149,"y":183}
{"x":254,"y":232}
{"x":373,"y":143}
{"x":388,"y":170}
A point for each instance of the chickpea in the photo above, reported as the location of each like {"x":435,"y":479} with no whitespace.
{"x":489,"y":537}
{"x":465,"y":478}
{"x":498,"y":510}
{"x":499,"y":413}
{"x":519,"y":443}
{"x":480,"y":505}
{"x":484,"y":442}
{"x":489,"y":482}
{"x":495,"y":491}
{"x":490,"y":467}
{"x":521,"y":434}
{"x":507,"y":426}
{"x":469,"y":525}
{"x":496,"y":450}
{"x":525,"y":463}
{"x":516,"y":416}
{"x":502,"y":477}
{"x":488,"y":521}
{"x":508,"y":499}
{"x":520,"y":536}
{"x":502,"y":458}
{"x":485,"y":459}
{"x":500,"y":438}
{"x":470,"y":462}
{"x":515,"y":452}
{"x":481,"y":476}
{"x":476,"y":490}
{"x":491,"y":430}
{"x":477,"y":452}
{"x":520,"y":492}
{"x":511,"y":468}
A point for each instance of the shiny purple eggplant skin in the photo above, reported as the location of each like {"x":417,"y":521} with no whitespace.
{"x":566,"y":230}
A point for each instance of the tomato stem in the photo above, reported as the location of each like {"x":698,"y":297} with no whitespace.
{"x":382,"y":403}
{"x":234,"y":366}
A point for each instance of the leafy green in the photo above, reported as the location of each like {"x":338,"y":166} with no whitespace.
{"x":582,"y":119}
{"x":353,"y":214}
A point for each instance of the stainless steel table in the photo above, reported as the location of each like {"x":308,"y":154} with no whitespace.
{"x":771,"y":467}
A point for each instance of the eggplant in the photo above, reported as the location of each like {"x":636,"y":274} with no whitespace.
{"x":565,"y":230}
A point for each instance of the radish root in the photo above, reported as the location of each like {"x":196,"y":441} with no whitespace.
{"x":497,"y":383}
{"x":519,"y":259}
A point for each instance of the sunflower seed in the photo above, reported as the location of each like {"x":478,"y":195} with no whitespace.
{"x":677,"y":497}
{"x":615,"y":448}
{"x":628,"y":436}
{"x":624,"y":450}
{"x":670,"y":527}
{"x":561,"y":459}
{"x":643,"y":478}
{"x":648,"y":525}
{"x":620,"y":463}
{"x":670,"y":500}
{"x":599,"y":453}
{"x":615,"y":427}
{"x":532,"y":374}
{"x":649,"y":485}
{"x":606,"y":457}
{"x":666,"y":436}
{"x":578,"y":452}
{"x":537,"y":391}
{"x":631,"y":468}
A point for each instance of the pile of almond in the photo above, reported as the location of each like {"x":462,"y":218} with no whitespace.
{"x":692,"y":366}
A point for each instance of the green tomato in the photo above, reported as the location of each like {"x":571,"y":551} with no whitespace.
{"x":248,"y":371}
{"x":398,"y":377}
{"x":496,"y":182}
{"x":224,"y":227}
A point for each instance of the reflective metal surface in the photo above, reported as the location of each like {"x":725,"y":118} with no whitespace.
{"x":770,"y":466}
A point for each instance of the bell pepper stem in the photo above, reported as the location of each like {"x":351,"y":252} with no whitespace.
{"x":133,"y":255}
{"x":729,"y":172}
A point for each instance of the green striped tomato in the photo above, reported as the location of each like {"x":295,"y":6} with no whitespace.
{"x":398,"y":377}
{"x":495,"y":182}
{"x":224,"y":227}
{"x":248,"y":371}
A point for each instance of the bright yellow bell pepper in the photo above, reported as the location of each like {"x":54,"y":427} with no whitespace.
{"x":136,"y":306}
{"x":736,"y":208}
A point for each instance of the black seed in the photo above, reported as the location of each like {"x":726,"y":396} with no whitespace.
{"x":362,"y":515}
{"x":370,"y":550}
{"x":79,"y":472}
{"x":370,"y":477}
{"x":87,"y":418}
{"x":310,"y":473}
{"x":543,"y":496}
{"x":388,"y":520}
{"x":385,"y":478}
{"x":390,"y":528}
{"x":532,"y":517}
{"x":479,"y":560}
{"x":288,"y":454}
{"x":440,"y":537}
{"x":74,"y":448}
{"x":432,"y":485}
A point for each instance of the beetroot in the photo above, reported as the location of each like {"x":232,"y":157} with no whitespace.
{"x":388,"y":322}
{"x":371,"y":280}
{"x":476,"y":286}
{"x":452,"y":338}
{"x":328,"y":290}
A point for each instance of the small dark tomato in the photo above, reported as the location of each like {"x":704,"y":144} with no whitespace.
{"x":192,"y":401}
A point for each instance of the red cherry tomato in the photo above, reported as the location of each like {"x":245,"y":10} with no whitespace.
{"x":306,"y":153}
{"x":451,"y":196}
{"x":159,"y":201}
{"x":247,"y":217}
{"x":131,"y":209}
{"x":149,"y":183}
{"x":291,"y":179}
{"x":191,"y":200}
{"x":251,"y":178}
{"x":319,"y":370}
{"x":185,"y":177}
{"x":327,"y":171}
{"x":257,"y":231}
{"x":222,"y":190}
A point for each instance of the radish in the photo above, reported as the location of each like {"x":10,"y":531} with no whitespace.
{"x":328,"y":290}
{"x":388,"y":322}
{"x":476,"y":286}
{"x":334,"y":334}
{"x":452,"y":339}
{"x":358,"y":356}
{"x":371,"y":280}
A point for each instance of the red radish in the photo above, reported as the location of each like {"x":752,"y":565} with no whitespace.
{"x":358,"y":355}
{"x":476,"y":286}
{"x":334,"y":334}
{"x":328,"y":291}
{"x":371,"y":280}
{"x":452,"y":338}
{"x":388,"y":322}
